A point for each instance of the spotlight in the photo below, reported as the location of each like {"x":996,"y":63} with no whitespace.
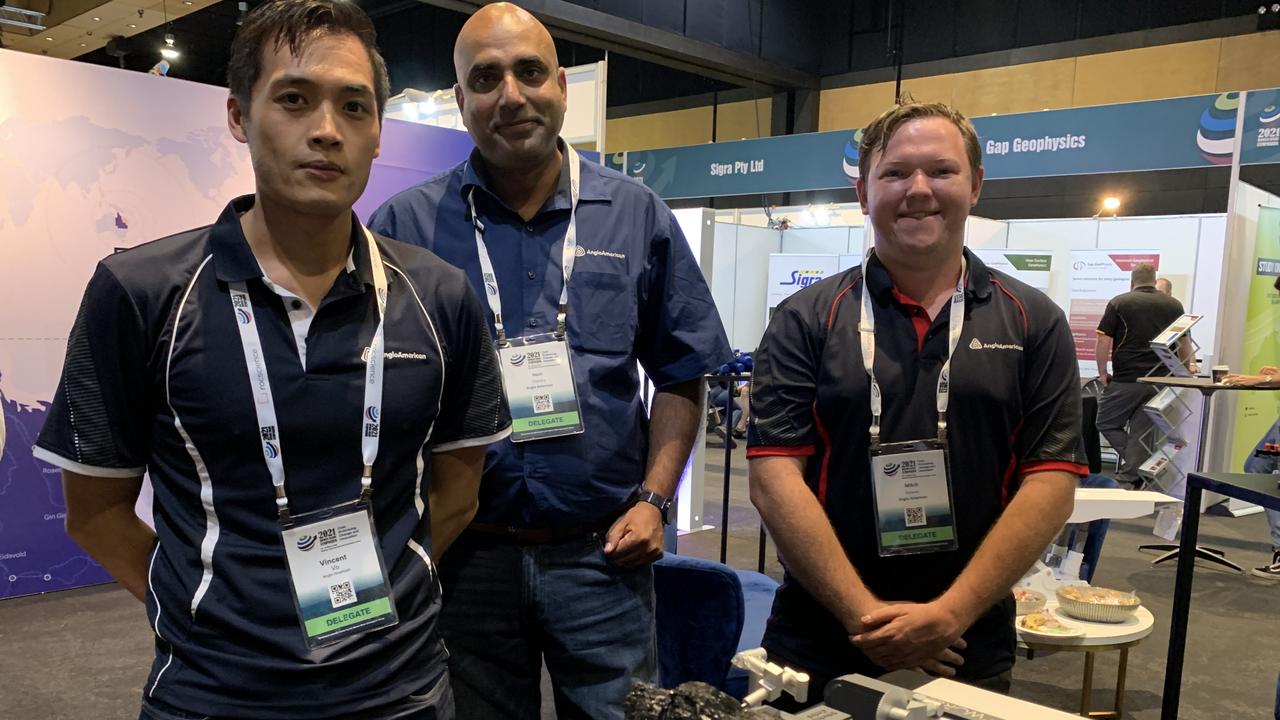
{"x":429,"y":107}
{"x":822,"y":215}
{"x":1111,"y":203}
{"x":168,"y":51}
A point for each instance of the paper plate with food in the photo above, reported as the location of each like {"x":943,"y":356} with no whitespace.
{"x":1044,"y":624}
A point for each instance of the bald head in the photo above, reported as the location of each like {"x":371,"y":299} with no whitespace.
{"x":511,"y":89}
{"x":494,"y":25}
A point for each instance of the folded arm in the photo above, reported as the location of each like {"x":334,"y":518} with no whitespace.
{"x":454,"y":494}
{"x":101,"y":519}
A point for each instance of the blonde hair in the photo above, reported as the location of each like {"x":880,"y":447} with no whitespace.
{"x":876,"y":136}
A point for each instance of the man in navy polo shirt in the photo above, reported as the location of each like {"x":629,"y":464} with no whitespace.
{"x":310,"y":401}
{"x":915,"y":433}
{"x":586,"y":272}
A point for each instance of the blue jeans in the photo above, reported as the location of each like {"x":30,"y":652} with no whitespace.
{"x":719,"y":396}
{"x":435,"y":703}
{"x":1097,"y":529}
{"x":510,"y":607}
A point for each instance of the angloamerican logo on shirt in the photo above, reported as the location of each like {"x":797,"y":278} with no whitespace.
{"x":977,"y":344}
{"x":393,"y":355}
{"x":583,"y":252}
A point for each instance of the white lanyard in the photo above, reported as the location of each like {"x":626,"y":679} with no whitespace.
{"x":264,"y":404}
{"x":867,"y":330}
{"x":568,"y":253}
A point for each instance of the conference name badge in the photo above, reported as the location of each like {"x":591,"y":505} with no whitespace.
{"x":912,"y":498}
{"x":538,"y":377}
{"x":339,"y":581}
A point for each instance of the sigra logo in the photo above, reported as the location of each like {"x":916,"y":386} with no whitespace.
{"x":891,"y":469}
{"x":306,"y":542}
{"x":517,"y":360}
{"x":243,"y":316}
{"x":271,"y":450}
{"x":371,"y":412}
{"x":803,"y":278}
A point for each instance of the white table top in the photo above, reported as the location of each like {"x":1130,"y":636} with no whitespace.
{"x":985,"y":701}
{"x":1115,"y":504}
{"x":1137,"y":627}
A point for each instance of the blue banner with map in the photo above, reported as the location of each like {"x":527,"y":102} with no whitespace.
{"x":1188,"y":132}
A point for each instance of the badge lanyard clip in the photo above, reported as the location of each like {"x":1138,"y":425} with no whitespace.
{"x":568,"y":254}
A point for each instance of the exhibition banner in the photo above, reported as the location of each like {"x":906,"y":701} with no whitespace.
{"x":789,"y":273}
{"x":1096,"y":277}
{"x":124,"y":159}
{"x":1261,"y":142}
{"x":1029,"y":266}
{"x":1188,"y":132}
{"x":1256,"y":411}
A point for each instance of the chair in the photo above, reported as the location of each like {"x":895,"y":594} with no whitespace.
{"x":706,"y":613}
{"x":699,"y":613}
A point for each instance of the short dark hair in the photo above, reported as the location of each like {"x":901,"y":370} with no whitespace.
{"x":877,"y":135}
{"x":1143,"y":274}
{"x":277,"y":23}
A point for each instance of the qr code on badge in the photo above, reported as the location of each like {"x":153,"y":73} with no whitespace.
{"x":341,"y":594}
{"x":914,"y":516}
{"x":542,"y":403}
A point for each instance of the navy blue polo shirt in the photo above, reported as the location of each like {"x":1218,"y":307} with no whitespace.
{"x":155,"y":381}
{"x":636,"y":294}
{"x":1015,"y":409}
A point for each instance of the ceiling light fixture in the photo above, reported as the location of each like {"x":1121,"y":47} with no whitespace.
{"x":168,"y":51}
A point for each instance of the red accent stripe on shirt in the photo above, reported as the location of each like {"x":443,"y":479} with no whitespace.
{"x":831,"y":315}
{"x":1050,"y":465}
{"x":1016,"y":301}
{"x":775,"y":451}
{"x":919,"y":317}
{"x":826,"y":456}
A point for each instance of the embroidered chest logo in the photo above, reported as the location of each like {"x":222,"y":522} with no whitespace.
{"x":584,"y":251}
{"x":394,"y":355}
{"x":977,"y":344}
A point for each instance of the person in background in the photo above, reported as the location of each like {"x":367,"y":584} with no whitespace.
{"x":311,"y":403}
{"x":556,"y":567}
{"x":1129,"y":324}
{"x":914,"y":441}
{"x":1164,"y":285}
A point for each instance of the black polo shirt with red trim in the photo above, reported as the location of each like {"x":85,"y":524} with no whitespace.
{"x":1014,"y":410}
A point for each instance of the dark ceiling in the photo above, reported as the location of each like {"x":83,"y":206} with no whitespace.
{"x":417,"y":42}
{"x":856,"y":35}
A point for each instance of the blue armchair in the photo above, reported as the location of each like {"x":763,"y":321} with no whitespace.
{"x":703,"y":619}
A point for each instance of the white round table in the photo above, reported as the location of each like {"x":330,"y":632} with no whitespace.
{"x":1098,"y":637}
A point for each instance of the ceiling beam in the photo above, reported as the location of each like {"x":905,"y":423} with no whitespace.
{"x":610,"y":32}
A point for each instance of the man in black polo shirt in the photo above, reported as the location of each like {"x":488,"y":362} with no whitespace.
{"x":889,"y":565}
{"x":1125,"y":332}
{"x":311,"y":402}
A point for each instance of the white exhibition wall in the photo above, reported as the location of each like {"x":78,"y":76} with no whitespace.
{"x":1191,"y":249}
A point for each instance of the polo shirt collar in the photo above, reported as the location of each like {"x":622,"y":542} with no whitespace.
{"x":977,"y":285}
{"x":475,"y":174}
{"x":233,"y":260}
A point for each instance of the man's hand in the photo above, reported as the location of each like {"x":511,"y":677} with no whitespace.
{"x":635,"y":539}
{"x":909,"y":635}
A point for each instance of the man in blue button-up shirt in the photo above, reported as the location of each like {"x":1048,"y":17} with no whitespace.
{"x":556,"y":565}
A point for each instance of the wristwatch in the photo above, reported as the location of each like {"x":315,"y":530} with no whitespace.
{"x":662,"y":503}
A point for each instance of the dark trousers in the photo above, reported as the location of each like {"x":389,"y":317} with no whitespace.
{"x":1123,"y":423}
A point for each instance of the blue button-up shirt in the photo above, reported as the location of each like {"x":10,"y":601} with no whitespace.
{"x":636,"y":294}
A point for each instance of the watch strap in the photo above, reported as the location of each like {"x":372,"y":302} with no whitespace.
{"x":662,"y":503}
